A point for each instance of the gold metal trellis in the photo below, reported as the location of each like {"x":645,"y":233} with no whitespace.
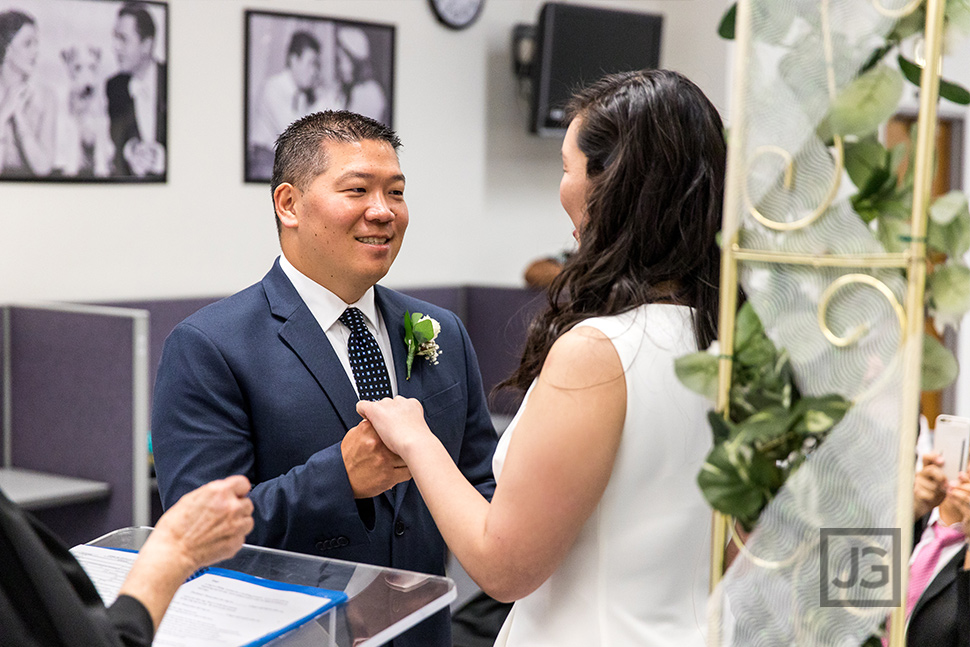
{"x":912,"y":261}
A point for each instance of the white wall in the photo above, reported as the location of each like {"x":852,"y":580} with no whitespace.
{"x":482,"y":192}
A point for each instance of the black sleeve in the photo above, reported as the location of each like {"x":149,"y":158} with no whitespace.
{"x":132,"y":622}
{"x":47,"y":600}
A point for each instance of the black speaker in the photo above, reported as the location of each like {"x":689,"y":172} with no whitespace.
{"x":576,"y":45}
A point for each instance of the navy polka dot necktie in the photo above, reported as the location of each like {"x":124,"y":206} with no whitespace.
{"x":366,"y":359}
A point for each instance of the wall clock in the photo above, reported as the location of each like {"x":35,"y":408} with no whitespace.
{"x":457,"y":14}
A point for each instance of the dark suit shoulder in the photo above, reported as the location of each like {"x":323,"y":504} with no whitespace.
{"x":230,"y":312}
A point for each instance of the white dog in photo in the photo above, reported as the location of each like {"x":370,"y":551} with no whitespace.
{"x":84,"y":141}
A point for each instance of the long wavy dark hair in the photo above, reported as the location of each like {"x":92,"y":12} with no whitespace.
{"x":656,"y":159}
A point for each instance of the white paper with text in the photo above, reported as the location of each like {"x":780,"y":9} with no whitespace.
{"x":217,"y":608}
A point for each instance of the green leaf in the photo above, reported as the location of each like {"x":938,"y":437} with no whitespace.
{"x":914,"y":23}
{"x":864,"y":160}
{"x":948,"y":229}
{"x":409,"y":342}
{"x":957,"y":14}
{"x":948,"y":90}
{"x":721,"y":429}
{"x":725,"y":28}
{"x":897,"y":155}
{"x":423,"y":331}
{"x":747,"y":326}
{"x":954,"y":92}
{"x":866,"y":103}
{"x":725,"y":489}
{"x":765,"y":425}
{"x":910,"y":70}
{"x":820,"y":414}
{"x":949,"y":287}
{"x":892,"y":233}
{"x":939,"y":369}
{"x":947,"y":207}
{"x":876,"y":56}
{"x":698,"y":372}
{"x":765,"y":473}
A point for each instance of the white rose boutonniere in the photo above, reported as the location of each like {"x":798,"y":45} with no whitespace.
{"x":420,"y":332}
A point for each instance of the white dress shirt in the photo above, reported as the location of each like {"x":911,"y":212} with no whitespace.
{"x":326,"y":307}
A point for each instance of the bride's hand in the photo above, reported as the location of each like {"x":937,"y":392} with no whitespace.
{"x":399,"y":422}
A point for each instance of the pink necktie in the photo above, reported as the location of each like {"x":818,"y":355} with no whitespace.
{"x":921,"y":571}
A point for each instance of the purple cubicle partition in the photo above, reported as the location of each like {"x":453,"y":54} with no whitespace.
{"x":77,"y":381}
{"x":498,"y":320}
{"x":163,"y":316}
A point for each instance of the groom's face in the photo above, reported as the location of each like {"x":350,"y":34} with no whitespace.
{"x":351,"y":218}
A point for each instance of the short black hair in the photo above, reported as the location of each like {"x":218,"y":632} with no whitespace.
{"x":301,"y":41}
{"x":144,"y":24}
{"x":301,"y":153}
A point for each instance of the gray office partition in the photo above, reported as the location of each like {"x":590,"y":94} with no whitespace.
{"x":75,"y":404}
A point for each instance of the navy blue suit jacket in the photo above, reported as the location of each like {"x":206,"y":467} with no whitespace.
{"x":251,"y":385}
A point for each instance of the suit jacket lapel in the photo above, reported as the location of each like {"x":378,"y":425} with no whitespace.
{"x":392,"y":309}
{"x":942,"y":580}
{"x":302,"y":333}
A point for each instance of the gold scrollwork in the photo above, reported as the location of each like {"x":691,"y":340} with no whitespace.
{"x":789,"y":167}
{"x":897,"y":13}
{"x":857,"y":333}
{"x":760,"y":561}
{"x":787,"y":183}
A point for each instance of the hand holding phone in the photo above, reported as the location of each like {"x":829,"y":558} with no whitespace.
{"x":951,"y":440}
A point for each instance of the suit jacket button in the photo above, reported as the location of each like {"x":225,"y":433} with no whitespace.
{"x":399,"y":528}
{"x":321,"y":546}
{"x":342,"y":541}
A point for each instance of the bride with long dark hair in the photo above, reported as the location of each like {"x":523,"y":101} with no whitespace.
{"x":597,"y":527}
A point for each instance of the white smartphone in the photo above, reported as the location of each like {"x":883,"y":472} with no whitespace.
{"x":951,"y":440}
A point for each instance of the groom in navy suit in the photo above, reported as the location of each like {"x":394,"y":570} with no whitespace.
{"x":263,"y":384}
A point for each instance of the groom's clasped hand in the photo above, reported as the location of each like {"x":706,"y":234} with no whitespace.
{"x":398,"y":422}
{"x":372,"y":468}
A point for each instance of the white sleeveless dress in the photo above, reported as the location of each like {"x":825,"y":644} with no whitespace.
{"x":638,"y":572}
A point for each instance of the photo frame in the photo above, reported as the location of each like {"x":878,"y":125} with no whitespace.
{"x":90,"y":97}
{"x":298,"y":64}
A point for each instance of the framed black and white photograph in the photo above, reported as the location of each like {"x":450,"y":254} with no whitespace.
{"x":83,"y":91}
{"x":296,"y":65}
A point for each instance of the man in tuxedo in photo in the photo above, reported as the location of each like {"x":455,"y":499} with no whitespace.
{"x":137,"y":96}
{"x":265,"y":383}
{"x":296,"y":90}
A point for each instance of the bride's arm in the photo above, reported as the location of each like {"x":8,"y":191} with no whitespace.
{"x":558,"y":464}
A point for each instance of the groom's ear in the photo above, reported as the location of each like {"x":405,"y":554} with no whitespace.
{"x":285,"y":198}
